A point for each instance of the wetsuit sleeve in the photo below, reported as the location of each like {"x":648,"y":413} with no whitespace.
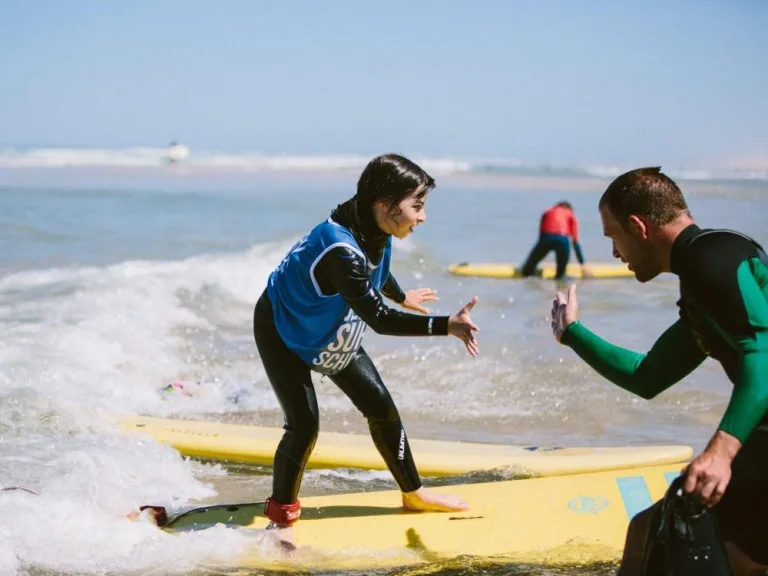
{"x":391,"y":289}
{"x":575,"y":238}
{"x":674,"y":355}
{"x":579,"y":253}
{"x":574,"y":225}
{"x":749,"y":401}
{"x":344,"y":271}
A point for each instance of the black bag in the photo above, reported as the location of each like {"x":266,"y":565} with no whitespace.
{"x":684,"y":538}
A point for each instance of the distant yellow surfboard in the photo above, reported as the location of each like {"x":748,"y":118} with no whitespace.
{"x":255,"y":444}
{"x":580,"y":518}
{"x":547,"y":270}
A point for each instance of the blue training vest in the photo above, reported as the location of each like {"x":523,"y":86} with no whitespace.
{"x":322,"y":330}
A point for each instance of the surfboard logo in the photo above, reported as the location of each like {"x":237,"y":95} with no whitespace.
{"x":588,"y":504}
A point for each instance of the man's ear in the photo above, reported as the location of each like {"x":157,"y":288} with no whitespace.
{"x":638,"y":227}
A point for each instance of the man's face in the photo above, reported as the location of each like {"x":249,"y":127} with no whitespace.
{"x":631,"y":244}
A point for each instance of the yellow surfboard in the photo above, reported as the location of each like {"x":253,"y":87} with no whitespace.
{"x":581,"y":518}
{"x":547,"y":270}
{"x":254,"y":444}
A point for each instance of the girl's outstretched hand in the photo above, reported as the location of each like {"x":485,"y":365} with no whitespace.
{"x":462,"y":327}
{"x":415,"y":298}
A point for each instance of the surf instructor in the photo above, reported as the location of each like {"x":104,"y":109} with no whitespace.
{"x":314,"y":313}
{"x":723,"y":315}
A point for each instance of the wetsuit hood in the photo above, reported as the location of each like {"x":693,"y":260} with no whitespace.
{"x":361,"y":221}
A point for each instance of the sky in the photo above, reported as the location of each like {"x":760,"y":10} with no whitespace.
{"x":561,"y":81}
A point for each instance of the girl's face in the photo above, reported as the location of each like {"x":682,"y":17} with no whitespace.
{"x":401,"y":220}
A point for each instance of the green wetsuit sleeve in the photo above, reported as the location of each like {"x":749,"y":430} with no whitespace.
{"x":674,"y":355}
{"x":749,"y":401}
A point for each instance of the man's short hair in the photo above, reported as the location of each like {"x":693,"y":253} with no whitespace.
{"x":646,"y":192}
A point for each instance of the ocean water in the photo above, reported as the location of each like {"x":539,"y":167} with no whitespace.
{"x":117,"y":281}
{"x":217,"y":160}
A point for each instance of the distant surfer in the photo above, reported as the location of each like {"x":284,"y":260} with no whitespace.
{"x":558,"y":227}
{"x":176,"y":152}
{"x":723,"y":315}
{"x":314,"y":313}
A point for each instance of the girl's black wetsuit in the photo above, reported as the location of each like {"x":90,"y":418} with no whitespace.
{"x":342,"y":271}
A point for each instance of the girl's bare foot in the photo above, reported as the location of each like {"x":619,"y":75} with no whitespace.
{"x":422,"y":501}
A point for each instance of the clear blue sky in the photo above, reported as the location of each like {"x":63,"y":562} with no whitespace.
{"x":682,"y":82}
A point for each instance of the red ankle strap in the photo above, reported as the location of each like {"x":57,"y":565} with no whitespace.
{"x":283,"y":514}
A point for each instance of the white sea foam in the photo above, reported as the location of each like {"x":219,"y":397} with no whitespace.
{"x":147,"y":157}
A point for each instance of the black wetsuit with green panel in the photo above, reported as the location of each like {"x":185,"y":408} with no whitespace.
{"x":723,"y":315}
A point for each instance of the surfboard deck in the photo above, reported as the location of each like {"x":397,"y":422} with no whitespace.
{"x":546,"y":270}
{"x":255,"y":444}
{"x":581,"y":518}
